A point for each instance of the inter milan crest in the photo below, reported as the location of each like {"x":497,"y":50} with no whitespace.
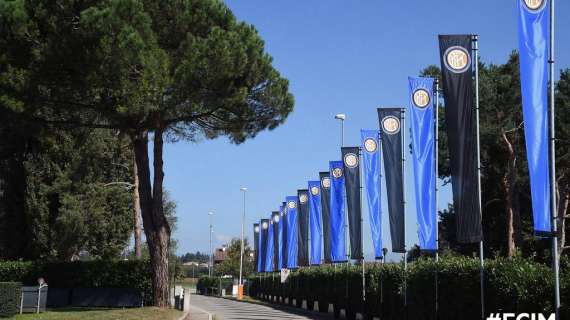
{"x":421,"y":98}
{"x":315,"y":191}
{"x":337,"y":173}
{"x":326,"y":182}
{"x":534,"y":5}
{"x":391,"y":125}
{"x":370,"y":145}
{"x":457,"y":59}
{"x":291,"y":205}
{"x":303,"y":198}
{"x":256,"y":229}
{"x":264,"y":226}
{"x":350,"y":160}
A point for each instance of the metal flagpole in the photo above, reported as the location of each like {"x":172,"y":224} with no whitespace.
{"x":436,"y":155}
{"x":403,"y":130}
{"x":361,"y":227}
{"x":475,"y":39}
{"x":553,"y":206}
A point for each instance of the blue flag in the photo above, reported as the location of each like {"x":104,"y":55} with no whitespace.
{"x":338,"y":244}
{"x":533,"y":46}
{"x":280,"y":238}
{"x":371,"y":160}
{"x":269,"y":248}
{"x":292,"y":232}
{"x":315,"y":221}
{"x":423,"y":158}
{"x":257,"y":239}
{"x":263,"y":235}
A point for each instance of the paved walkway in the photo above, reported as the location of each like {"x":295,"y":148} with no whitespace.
{"x":229,"y":309}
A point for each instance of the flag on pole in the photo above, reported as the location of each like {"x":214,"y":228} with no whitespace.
{"x":325,"y":207}
{"x":303,"y":221}
{"x":269,"y":248}
{"x":285,"y":235}
{"x":275,"y":219}
{"x":256,"y":247}
{"x":391,"y":136}
{"x":460,"y":118}
{"x":263,"y":235}
{"x":351,"y":159}
{"x":371,"y":163}
{"x":315,"y":222}
{"x":534,"y":35}
{"x":422,"y":124}
{"x":292,"y":232}
{"x":280,"y":239}
{"x":338,"y":245}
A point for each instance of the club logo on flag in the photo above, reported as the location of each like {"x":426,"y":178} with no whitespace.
{"x":351,"y":160}
{"x":264,"y":225}
{"x":337,"y":173}
{"x":303,"y":198}
{"x":256,"y":229}
{"x":370,"y":145}
{"x":291,"y":204}
{"x":391,"y":125}
{"x":421,"y":98}
{"x":315,"y":191}
{"x":457,"y":59}
{"x":326,"y":182}
{"x":534,"y":5}
{"x":276,"y":218}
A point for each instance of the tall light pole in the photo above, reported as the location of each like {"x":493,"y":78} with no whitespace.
{"x":341,"y":117}
{"x":243,"y":189}
{"x":211,"y":252}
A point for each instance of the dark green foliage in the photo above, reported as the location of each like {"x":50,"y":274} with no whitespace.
{"x":230,"y":266}
{"x":82,"y":274}
{"x":10,"y":293}
{"x":214,"y":285}
{"x":512,"y":285}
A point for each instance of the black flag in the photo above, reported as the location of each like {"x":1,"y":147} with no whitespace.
{"x":284,"y":235}
{"x":256,"y":245}
{"x":325,"y":203}
{"x":276,"y":221}
{"x":351,"y":159}
{"x":303,"y":220}
{"x":264,"y":235}
{"x":391,"y":136}
{"x":460,"y":119}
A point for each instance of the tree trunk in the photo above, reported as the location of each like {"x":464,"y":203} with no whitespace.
{"x":137,"y":212}
{"x":509,"y":183}
{"x":155,"y":225}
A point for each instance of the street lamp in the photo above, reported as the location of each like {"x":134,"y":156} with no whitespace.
{"x":210,"y":214}
{"x":341,"y":117}
{"x":243,"y":189}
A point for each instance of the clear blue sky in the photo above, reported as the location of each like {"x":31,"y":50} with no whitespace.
{"x":340,"y":56}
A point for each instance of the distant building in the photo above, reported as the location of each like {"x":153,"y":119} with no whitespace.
{"x":220,"y":254}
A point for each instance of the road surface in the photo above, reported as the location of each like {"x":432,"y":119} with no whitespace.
{"x":224,"y":309}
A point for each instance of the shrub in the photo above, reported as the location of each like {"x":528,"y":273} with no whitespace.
{"x":511,"y":285}
{"x":133,"y":274}
{"x":9,"y":298}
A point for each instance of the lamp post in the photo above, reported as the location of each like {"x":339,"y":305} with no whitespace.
{"x":211,"y":266}
{"x":243,"y":189}
{"x":341,"y":117}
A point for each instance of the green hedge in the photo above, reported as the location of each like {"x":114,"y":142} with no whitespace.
{"x":212,"y":285}
{"x":512,"y":285}
{"x":9,"y":298}
{"x":134,"y":274}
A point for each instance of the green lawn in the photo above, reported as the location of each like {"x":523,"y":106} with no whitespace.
{"x":148,"y":313}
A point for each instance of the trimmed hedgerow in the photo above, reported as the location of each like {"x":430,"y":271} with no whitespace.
{"x":133,"y":274}
{"x":9,"y":298}
{"x":511,"y":285}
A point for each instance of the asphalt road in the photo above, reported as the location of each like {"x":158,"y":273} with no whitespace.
{"x":230,"y":309}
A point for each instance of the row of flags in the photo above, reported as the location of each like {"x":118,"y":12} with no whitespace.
{"x":310,"y":229}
